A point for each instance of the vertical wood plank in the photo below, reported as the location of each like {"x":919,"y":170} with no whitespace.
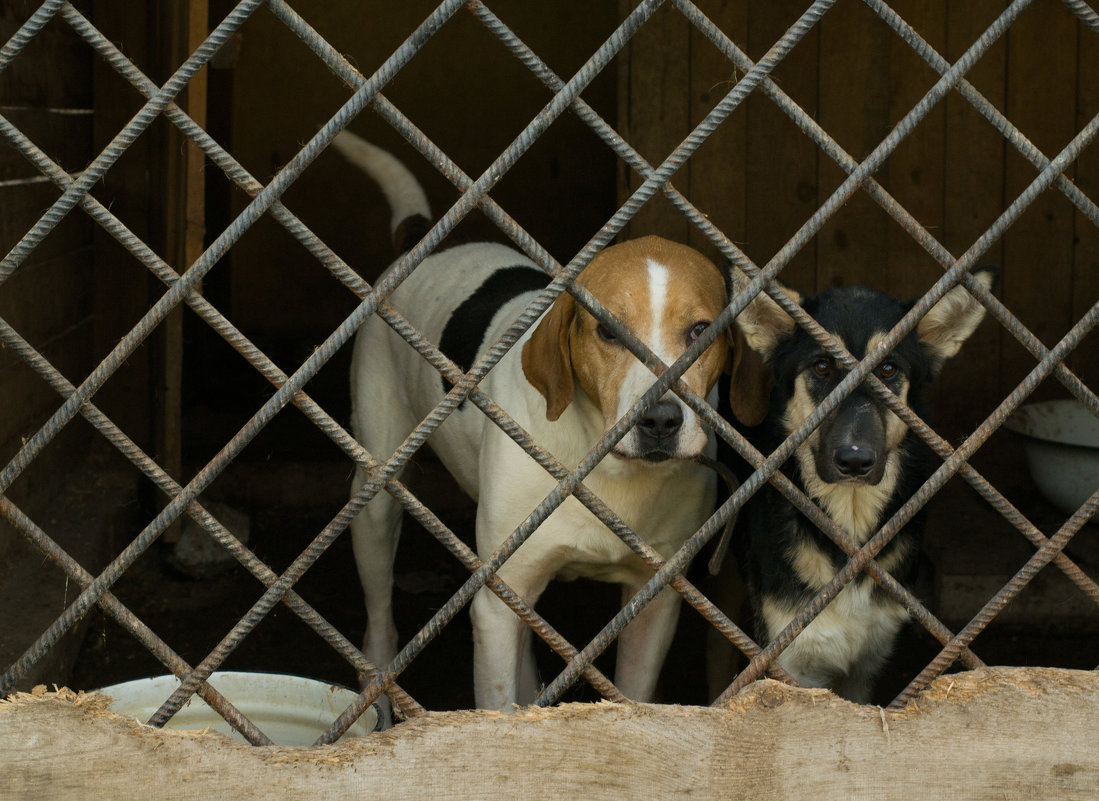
{"x":854,"y":109}
{"x":655,"y":115}
{"x":183,"y":26}
{"x":1037,"y":285}
{"x":716,"y":173}
{"x":916,"y":168}
{"x":1085,"y":277}
{"x":973,"y":198}
{"x":781,"y":166}
{"x":122,"y":287}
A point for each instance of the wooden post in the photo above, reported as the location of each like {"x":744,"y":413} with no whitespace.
{"x":992,"y":734}
{"x":182,"y":26}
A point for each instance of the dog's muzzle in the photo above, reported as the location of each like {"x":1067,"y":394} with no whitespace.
{"x":658,"y":431}
{"x":852,"y":443}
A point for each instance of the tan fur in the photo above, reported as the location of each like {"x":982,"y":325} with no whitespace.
{"x":950,"y":321}
{"x":763,"y":321}
{"x":565,"y":347}
{"x":854,"y":507}
{"x":547,"y":360}
{"x":750,"y":387}
{"x":895,"y":428}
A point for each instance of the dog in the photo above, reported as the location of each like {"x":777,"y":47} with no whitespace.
{"x":860,"y":465}
{"x":566,"y":381}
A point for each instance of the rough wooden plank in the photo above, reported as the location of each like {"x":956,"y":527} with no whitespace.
{"x":122,"y":287}
{"x":25,"y":82}
{"x":854,"y":109}
{"x":655,"y":115}
{"x":1038,"y":247}
{"x":916,"y":168}
{"x":716,"y":173}
{"x":781,"y":166}
{"x":991,"y":734}
{"x":973,"y":198}
{"x":1085,"y":274}
{"x":181,"y":184}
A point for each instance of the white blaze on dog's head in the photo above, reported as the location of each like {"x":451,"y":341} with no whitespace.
{"x":666,"y":294}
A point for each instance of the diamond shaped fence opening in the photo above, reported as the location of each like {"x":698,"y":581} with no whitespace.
{"x":697,"y":102}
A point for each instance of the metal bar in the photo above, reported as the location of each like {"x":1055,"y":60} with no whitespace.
{"x":809,"y":229}
{"x":922,"y":236}
{"x":1084,"y":13}
{"x":243,"y":179}
{"x":1047,"y":551}
{"x":388,"y":281}
{"x":935,"y":249}
{"x":27,"y":31}
{"x":250,"y":214}
{"x":950,"y":466}
{"x":605,"y":132}
{"x":11,"y":339}
{"x":129,"y":133}
{"x":129,"y":621}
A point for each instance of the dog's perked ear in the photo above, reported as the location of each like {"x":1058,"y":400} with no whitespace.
{"x":547,"y":361}
{"x":750,"y":385}
{"x":763,"y":322}
{"x":951,"y":321}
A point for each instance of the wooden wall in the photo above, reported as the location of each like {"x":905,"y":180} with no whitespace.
{"x":759,"y":178}
{"x":464,"y":90}
{"x":48,"y":300}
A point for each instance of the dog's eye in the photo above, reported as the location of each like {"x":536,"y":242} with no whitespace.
{"x":822,"y":367}
{"x":604,"y":334}
{"x":887,"y":370}
{"x":696,"y":332}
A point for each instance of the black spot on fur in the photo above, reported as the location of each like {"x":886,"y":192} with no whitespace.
{"x":410,"y":231}
{"x":465,"y":331}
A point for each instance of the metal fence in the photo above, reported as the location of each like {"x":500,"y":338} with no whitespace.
{"x":578,"y":662}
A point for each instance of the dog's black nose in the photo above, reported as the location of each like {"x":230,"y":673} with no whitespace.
{"x":662,"y":420}
{"x":854,"y":460}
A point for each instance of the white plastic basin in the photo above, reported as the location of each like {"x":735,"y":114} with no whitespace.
{"x":1061,"y":442}
{"x":291,"y":710}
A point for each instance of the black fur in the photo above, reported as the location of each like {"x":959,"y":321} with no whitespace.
{"x":772,"y":525}
{"x":410,"y":231}
{"x":465,"y":330}
{"x":771,"y":531}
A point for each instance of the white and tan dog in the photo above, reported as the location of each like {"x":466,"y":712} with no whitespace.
{"x":566,"y":382}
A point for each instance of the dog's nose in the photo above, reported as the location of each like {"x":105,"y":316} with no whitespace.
{"x":662,"y":420}
{"x":854,"y":460}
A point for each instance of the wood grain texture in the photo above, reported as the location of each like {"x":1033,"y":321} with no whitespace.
{"x":1038,"y":247}
{"x":854,"y":108}
{"x":715,"y":173}
{"x":972,"y":199}
{"x":655,"y":116}
{"x":991,"y":734}
{"x":782,"y":165}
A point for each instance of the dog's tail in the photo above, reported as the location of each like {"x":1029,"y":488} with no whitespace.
{"x":411,"y":212}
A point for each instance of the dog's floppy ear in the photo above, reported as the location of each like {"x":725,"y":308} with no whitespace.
{"x":950,"y":322}
{"x":763,"y":323}
{"x":547,"y":363}
{"x":750,"y":386}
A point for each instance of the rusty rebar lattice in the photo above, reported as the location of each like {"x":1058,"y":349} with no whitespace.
{"x":754,"y":77}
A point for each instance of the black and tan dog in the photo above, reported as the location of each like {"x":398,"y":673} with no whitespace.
{"x":860,"y":465}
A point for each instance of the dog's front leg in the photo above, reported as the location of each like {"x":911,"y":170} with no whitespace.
{"x":502,"y":659}
{"x":644,"y":643}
